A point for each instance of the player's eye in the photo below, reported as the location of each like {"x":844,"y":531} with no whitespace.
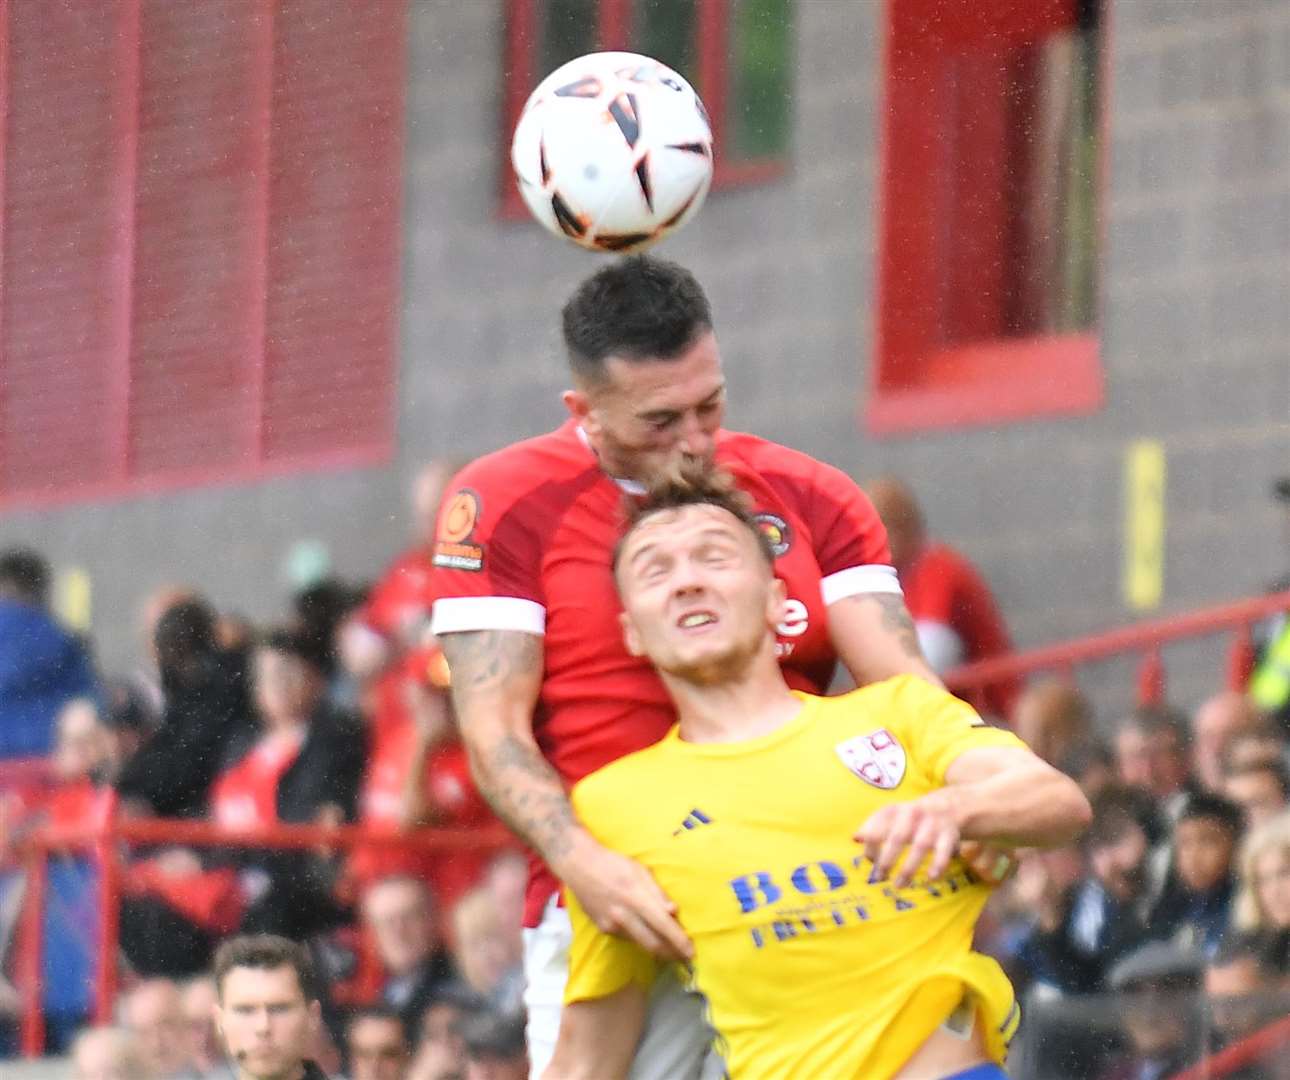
{"x":662,"y":423}
{"x":654,"y":570}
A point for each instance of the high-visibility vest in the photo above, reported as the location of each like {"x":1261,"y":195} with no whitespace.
{"x":1270,"y":682}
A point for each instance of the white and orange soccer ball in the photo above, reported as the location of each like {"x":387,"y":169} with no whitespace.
{"x":614,"y":151}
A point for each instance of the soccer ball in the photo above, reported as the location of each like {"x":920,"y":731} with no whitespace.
{"x":614,"y":151}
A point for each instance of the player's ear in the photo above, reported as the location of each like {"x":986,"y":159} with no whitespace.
{"x":631,"y":639}
{"x":578,"y":404}
{"x":776,"y":602}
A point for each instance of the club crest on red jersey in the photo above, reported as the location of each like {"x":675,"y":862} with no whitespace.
{"x":776,"y":531}
{"x":877,"y":758}
{"x":453,"y":549}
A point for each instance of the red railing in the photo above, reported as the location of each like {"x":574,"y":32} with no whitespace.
{"x":1246,"y":1052}
{"x":1146,"y":638}
{"x":106,"y":845}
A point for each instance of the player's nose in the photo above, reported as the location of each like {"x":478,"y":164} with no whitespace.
{"x":696,"y":440}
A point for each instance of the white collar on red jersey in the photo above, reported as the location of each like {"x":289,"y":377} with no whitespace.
{"x":632,"y":487}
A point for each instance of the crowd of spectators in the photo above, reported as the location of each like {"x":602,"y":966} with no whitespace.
{"x":338,"y":712}
{"x":1164,"y":932}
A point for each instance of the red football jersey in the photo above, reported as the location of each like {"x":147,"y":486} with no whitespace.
{"x":525,"y":543}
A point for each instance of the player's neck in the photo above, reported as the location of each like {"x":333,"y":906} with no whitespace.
{"x":755,"y":702}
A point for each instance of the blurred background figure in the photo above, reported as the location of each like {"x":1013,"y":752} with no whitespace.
{"x":42,"y":665}
{"x":1153,"y":752}
{"x":1053,"y":718}
{"x":107,"y":1053}
{"x":153,"y":1012}
{"x":376,"y":1045}
{"x":495,"y":1048}
{"x":1079,"y":934}
{"x":204,"y":707}
{"x":198,"y":1001}
{"x":1260,"y":788}
{"x":441,"y":1050}
{"x":401,"y":915}
{"x":1213,"y":723}
{"x":301,"y":764}
{"x":1258,"y":740}
{"x":1194,"y":906}
{"x":1243,"y":993}
{"x":489,"y":951}
{"x":1161,"y":1018}
{"x":1263,"y":898}
{"x":952,"y":607}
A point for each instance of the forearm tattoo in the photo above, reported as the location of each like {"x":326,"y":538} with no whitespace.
{"x":511,"y":772}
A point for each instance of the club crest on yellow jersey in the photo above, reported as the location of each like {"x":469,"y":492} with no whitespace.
{"x":877,"y":758}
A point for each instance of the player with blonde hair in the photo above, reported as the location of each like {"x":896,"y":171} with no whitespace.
{"x":809,"y":843}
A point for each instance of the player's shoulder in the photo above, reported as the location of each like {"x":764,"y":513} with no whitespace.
{"x":794,"y":473}
{"x":898,"y":696}
{"x":744,"y":448}
{"x":530,"y":463}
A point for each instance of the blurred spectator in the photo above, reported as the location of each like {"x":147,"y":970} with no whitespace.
{"x":1261,"y":789}
{"x":507,"y":878}
{"x":489,"y":952}
{"x":203,"y":709}
{"x":198,"y":999}
{"x":1091,"y":765}
{"x":417,"y":772}
{"x":318,"y":613}
{"x":376,"y":1045}
{"x":1153,"y":752}
{"x":1212,"y":726}
{"x":495,"y":1047}
{"x":302,"y":765}
{"x":107,"y":1053}
{"x":399,"y":912}
{"x":1080,"y":934}
{"x":42,"y":666}
{"x":128,"y":716}
{"x":1194,"y":906}
{"x":952,"y":606}
{"x":1259,"y":740}
{"x":1263,"y":900}
{"x":1160,"y":982}
{"x":74,"y":795}
{"x":1053,"y":719}
{"x":441,"y":1050}
{"x":269,"y":1013}
{"x":1242,"y":991}
{"x":153,"y":1013}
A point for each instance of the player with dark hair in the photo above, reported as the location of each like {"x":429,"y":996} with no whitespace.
{"x":809,"y":842}
{"x":268,"y":1010}
{"x":527,"y":614}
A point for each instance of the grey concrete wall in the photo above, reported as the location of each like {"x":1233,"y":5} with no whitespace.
{"x":1196,"y":278}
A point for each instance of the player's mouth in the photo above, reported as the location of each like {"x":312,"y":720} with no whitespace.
{"x":696,"y":621}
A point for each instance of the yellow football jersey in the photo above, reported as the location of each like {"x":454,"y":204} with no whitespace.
{"x":808,"y":970}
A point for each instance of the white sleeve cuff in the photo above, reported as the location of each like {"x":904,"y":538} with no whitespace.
{"x":855,"y":580}
{"x":461,"y":614}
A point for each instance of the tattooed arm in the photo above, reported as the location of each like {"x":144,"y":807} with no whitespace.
{"x":496,"y":677}
{"x":875,"y":638}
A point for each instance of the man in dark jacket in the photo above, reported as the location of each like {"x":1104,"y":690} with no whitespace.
{"x":205,"y":709}
{"x":268,"y":1013}
{"x":42,"y":666}
{"x":1073,"y":946}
